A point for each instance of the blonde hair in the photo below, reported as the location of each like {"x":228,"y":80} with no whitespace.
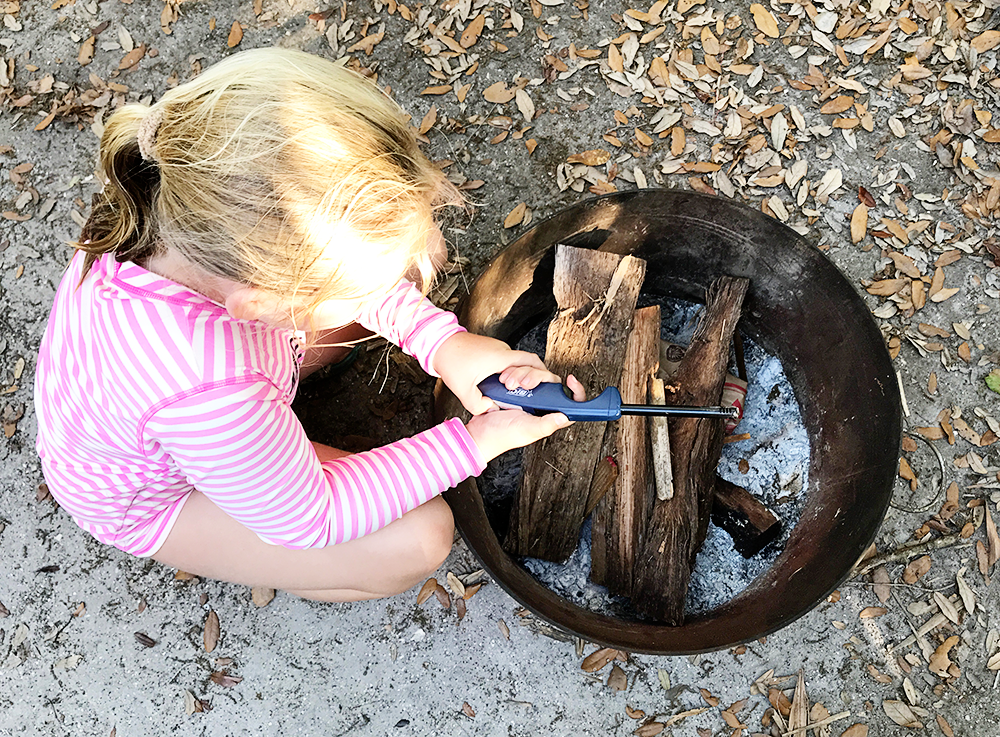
{"x":276,"y":169}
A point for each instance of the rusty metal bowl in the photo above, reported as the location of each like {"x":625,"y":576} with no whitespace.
{"x":802,"y":310}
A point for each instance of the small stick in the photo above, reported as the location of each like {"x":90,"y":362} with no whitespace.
{"x":817,"y":725}
{"x":736,"y":438}
{"x":935,"y":621}
{"x":907,"y":552}
{"x":659,"y":435}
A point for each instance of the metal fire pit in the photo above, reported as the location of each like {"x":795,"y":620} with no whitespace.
{"x":802,"y":310}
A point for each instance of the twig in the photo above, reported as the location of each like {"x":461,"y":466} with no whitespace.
{"x":817,"y":725}
{"x":936,"y":621}
{"x":906,"y":552}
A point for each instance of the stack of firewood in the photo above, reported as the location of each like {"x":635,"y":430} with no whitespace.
{"x":650,"y":485}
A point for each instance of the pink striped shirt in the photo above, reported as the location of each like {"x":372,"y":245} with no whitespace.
{"x":145,"y":390}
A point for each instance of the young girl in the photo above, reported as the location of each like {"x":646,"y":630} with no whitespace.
{"x":275,"y":194}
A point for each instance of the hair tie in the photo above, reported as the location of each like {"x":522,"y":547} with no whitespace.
{"x":146,"y":135}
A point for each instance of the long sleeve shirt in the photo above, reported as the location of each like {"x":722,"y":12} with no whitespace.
{"x":146,"y":390}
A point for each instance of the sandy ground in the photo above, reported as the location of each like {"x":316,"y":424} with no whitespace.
{"x":70,"y":658}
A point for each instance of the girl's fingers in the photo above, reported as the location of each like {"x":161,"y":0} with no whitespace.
{"x":527,"y":377}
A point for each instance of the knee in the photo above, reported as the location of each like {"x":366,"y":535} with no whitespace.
{"x":434,"y":536}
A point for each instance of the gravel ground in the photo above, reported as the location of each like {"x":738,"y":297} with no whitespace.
{"x":897,"y":98}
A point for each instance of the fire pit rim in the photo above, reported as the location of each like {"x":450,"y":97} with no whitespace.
{"x":646,"y":636}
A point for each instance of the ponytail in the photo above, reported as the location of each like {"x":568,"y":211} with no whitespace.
{"x":121,"y":217}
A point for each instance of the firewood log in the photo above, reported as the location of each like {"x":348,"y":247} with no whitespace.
{"x":596,"y":294}
{"x":676,"y":527}
{"x":620,"y":518}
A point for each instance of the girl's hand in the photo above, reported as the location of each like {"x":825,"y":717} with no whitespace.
{"x":465,"y":359}
{"x":498,"y":431}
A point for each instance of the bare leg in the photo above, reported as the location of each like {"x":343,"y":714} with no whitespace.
{"x":207,"y":542}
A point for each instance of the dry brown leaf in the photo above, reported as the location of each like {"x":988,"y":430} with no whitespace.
{"x":617,"y":681}
{"x":499,"y":93}
{"x":839,"y":104}
{"x":44,"y":123}
{"x":878,"y":675}
{"x":468,"y":710}
{"x":709,"y":698}
{"x":677,"y":141}
{"x":212,"y":631}
{"x":915,"y":570}
{"x":940,"y":661}
{"x":470,"y":591}
{"x":944,"y":294}
{"x":779,"y":701}
{"x":615,"y":61}
{"x":443,"y":596}
{"x":598,"y":659}
{"x":993,"y":539}
{"x":515,"y":216}
{"x":900,"y":713}
{"x":947,"y":608}
{"x":525,"y":105}
{"x":235,"y":34}
{"x":86,"y":54}
{"x":872,"y":611}
{"x":764,"y":21}
{"x":367,"y":44}
{"x":594,"y":157}
{"x":886,"y":287}
{"x":471,"y":33}
{"x":634,"y":713}
{"x":440,"y":89}
{"x":856,"y":730}
{"x":456,"y":586}
{"x":859,"y":223}
{"x":224,"y":679}
{"x":504,"y":629}
{"x":650,"y":729}
{"x":261,"y":596}
{"x":133,"y":57}
{"x":427,"y":590}
{"x":986,"y":41}
{"x":904,"y":264}
{"x":945,"y":727}
{"x":880,"y":577}
{"x":429,"y":120}
{"x":460,"y":609}
{"x":906,"y":472}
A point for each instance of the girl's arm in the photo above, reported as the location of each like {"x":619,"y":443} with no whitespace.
{"x":244,"y":448}
{"x":408,"y":319}
{"x":445,"y":349}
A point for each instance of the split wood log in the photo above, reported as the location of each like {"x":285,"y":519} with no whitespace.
{"x":596,"y":294}
{"x":747,"y":520}
{"x":620,"y":518}
{"x":677,"y":527}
